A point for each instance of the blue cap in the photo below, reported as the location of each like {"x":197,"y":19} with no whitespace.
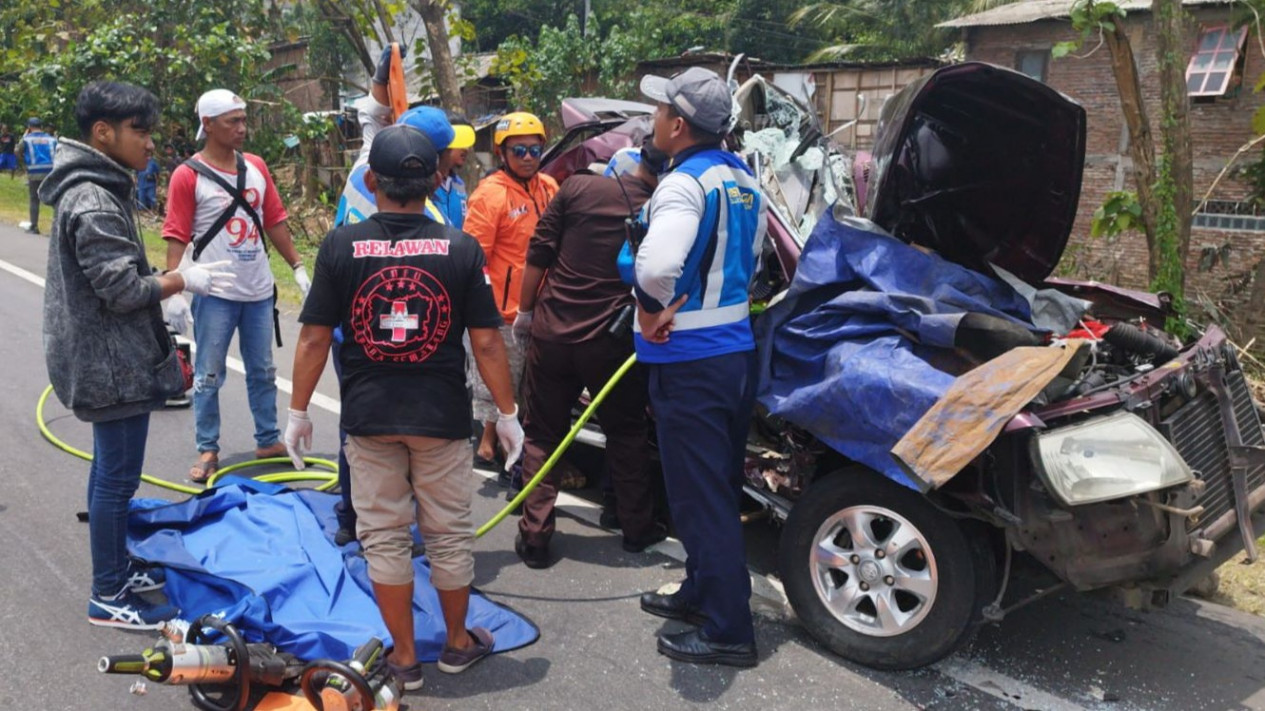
{"x":431,"y":121}
{"x":33,"y":122}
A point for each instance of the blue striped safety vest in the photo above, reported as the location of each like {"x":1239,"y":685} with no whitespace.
{"x":715,"y":319}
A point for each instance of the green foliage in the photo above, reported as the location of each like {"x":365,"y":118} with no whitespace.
{"x":1089,"y":17}
{"x":564,"y":63}
{"x":175,"y":49}
{"x":881,"y":29}
{"x":1171,"y":274}
{"x":1119,"y":212}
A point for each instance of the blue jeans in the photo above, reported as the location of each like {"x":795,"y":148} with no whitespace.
{"x":214,"y":321}
{"x":118,"y":451}
{"x":147,"y":195}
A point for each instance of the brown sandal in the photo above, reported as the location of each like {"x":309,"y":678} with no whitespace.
{"x":203,"y":469}
{"x":276,"y":450}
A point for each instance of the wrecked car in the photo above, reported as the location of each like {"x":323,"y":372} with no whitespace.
{"x":934,"y":403}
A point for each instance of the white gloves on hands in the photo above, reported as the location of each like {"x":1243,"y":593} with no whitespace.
{"x":510,"y":434}
{"x":204,"y":279}
{"x":522,"y":329}
{"x":298,"y":437}
{"x":177,"y":314}
{"x":301,"y":278}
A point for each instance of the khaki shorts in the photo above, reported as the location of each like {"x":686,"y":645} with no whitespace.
{"x":482,"y":404}
{"x":399,"y":479}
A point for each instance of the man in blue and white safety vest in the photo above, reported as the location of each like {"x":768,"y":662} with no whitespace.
{"x":36,"y":150}
{"x":705,"y":222}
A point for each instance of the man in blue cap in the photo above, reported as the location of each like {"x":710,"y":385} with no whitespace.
{"x":374,"y":111}
{"x":36,"y":151}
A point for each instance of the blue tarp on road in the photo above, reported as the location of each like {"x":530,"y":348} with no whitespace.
{"x":862,"y":345}
{"x":263,"y":557}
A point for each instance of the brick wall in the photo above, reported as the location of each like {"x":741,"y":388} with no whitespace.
{"x":1218,"y":129}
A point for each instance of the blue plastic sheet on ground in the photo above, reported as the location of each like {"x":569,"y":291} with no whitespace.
{"x":862,"y":345}
{"x":263,"y":558}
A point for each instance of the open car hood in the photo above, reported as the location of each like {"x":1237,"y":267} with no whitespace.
{"x":576,"y":111}
{"x":981,"y":164}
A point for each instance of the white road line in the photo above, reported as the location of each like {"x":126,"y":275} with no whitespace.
{"x":972,"y":674}
{"x":283,"y":384}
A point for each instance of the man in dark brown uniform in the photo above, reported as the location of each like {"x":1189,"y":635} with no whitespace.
{"x":577,"y":343}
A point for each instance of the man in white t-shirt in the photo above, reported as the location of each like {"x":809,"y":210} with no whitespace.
{"x":220,"y":205}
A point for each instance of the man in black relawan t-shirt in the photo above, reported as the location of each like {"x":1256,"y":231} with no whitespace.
{"x":404,"y":288}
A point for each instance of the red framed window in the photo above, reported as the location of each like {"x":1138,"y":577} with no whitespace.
{"x":1212,"y":67}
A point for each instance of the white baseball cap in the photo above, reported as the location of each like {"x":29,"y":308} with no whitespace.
{"x":217,"y":102}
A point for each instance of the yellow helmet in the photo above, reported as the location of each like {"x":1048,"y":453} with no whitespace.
{"x":518,"y":123}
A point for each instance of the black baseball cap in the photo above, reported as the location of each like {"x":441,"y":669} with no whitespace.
{"x":401,"y":151}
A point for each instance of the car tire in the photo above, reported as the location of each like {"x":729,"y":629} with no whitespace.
{"x":905,"y":595}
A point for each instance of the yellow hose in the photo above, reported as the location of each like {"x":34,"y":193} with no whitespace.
{"x":329,"y":479}
{"x":562,"y":447}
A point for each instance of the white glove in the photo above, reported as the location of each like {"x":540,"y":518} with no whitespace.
{"x":205,"y":279}
{"x":177,"y":314}
{"x":510,"y":434}
{"x":300,"y":278}
{"x":522,"y":329}
{"x":298,"y":437}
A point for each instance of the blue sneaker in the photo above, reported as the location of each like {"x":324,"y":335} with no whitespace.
{"x":144,"y":579}
{"x":130,"y":611}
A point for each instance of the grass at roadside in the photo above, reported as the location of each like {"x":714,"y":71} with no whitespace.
{"x":14,"y":209}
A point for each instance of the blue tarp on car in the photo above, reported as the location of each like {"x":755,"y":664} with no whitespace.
{"x":263,"y":557}
{"x":862,"y":345}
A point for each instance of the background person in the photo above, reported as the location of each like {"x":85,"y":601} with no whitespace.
{"x":8,"y":156}
{"x":36,"y":150}
{"x":108,"y":354}
{"x":570,"y":308}
{"x":450,"y":193}
{"x":404,"y":288}
{"x":225,"y":207}
{"x":502,"y":214}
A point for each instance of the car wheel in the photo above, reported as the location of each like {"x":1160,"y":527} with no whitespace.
{"x":878,"y":574}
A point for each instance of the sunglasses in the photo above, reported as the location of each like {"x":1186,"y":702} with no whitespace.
{"x":520,"y":152}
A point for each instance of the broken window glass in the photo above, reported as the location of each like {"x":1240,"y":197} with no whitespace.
{"x":1213,"y":64}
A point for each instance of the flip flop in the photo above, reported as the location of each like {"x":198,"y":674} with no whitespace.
{"x":203,"y":469}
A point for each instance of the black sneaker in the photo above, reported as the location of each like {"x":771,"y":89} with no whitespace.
{"x":534,"y":557}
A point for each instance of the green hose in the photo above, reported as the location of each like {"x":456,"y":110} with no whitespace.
{"x":329,"y":479}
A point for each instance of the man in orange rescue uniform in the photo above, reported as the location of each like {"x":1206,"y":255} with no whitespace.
{"x":503,"y":211}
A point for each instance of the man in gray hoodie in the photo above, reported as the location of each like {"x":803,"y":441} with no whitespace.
{"x":108,"y":353}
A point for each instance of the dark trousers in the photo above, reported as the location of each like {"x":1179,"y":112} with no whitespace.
{"x":556,"y":374}
{"x":345,"y":512}
{"x":33,"y":195}
{"x":118,"y":451}
{"x":702,"y":412}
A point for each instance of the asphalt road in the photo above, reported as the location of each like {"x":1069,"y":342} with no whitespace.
{"x":596,"y":648}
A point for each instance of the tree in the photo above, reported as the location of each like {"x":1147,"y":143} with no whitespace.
{"x":434,"y":17}
{"x":1164,"y":184}
{"x":881,"y":29}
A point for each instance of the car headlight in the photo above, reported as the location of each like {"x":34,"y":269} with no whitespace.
{"x":1107,"y":458}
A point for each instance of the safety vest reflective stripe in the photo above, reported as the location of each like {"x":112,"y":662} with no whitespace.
{"x":689,"y":320}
